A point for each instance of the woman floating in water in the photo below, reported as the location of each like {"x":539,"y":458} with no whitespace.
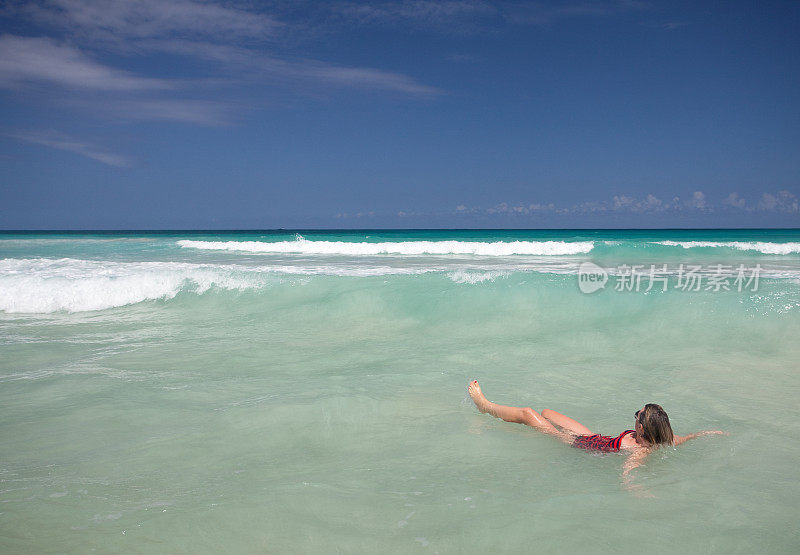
{"x":652,"y":429}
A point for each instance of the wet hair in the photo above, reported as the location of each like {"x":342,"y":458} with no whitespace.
{"x":656,"y":429}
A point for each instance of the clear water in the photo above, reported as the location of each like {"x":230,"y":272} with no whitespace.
{"x":174,"y":392}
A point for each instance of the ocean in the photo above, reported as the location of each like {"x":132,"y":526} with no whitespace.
{"x":305,"y":391}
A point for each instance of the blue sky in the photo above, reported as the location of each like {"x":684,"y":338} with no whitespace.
{"x":151,"y":114}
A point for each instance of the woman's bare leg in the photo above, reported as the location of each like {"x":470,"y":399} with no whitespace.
{"x":518,"y":415}
{"x":566,"y":422}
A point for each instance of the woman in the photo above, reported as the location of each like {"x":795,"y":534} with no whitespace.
{"x":652,"y":429}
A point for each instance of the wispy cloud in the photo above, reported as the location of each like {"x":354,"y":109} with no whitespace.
{"x":476,"y":15}
{"x":356,"y":77}
{"x":672,"y":25}
{"x":196,"y":112}
{"x":540,"y":13}
{"x":260,"y":65}
{"x":25,"y":60}
{"x":236,"y":37}
{"x":122,"y":20}
{"x":454,"y":15}
{"x":88,"y":56}
{"x":58,"y":141}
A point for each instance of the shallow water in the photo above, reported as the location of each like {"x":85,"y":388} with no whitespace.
{"x":158,"y":396}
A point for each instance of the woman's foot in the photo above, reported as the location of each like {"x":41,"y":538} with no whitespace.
{"x":477,"y":396}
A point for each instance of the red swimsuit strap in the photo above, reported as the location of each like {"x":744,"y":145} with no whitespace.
{"x":618,"y":440}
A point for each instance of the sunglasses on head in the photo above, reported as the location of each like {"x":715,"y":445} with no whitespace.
{"x":637,"y":414}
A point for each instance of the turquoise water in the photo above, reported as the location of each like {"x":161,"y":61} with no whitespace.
{"x":307,"y":393}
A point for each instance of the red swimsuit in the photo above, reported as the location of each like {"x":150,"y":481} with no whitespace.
{"x":596,"y":442}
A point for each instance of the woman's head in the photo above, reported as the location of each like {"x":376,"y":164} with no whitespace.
{"x":652,"y":425}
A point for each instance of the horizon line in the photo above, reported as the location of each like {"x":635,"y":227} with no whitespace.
{"x":371,"y":229}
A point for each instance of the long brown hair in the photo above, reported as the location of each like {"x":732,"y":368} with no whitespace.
{"x":656,"y":429}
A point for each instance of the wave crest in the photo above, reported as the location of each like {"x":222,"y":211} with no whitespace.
{"x":461,"y":276}
{"x":407,"y":248}
{"x":47,"y":285}
{"x":759,"y":246}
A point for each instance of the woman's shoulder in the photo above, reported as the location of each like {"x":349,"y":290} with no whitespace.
{"x":629,"y":440}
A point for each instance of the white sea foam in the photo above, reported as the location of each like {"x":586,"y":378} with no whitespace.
{"x":71,"y":285}
{"x":462,"y":276}
{"x":51,"y":285}
{"x":760,"y":246}
{"x":303,"y":246}
{"x":48,"y":285}
{"x":44,"y":285}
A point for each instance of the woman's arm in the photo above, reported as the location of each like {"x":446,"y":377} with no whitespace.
{"x":634,"y":460}
{"x":638,"y":456}
{"x":683,"y":439}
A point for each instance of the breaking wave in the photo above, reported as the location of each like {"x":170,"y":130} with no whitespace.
{"x":303,"y":246}
{"x":48,"y":285}
{"x":45,"y":286}
{"x":462,"y":276}
{"x":759,"y":246}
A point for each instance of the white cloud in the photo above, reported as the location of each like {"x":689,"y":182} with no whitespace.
{"x":196,"y":112}
{"x":475,"y":15}
{"x":618,"y":203}
{"x":698,"y":201}
{"x":420,"y":13}
{"x":768,"y":202}
{"x":519,"y":208}
{"x":542,"y":13}
{"x":235,"y":37}
{"x":462,"y":58}
{"x":41,"y":60}
{"x":623,"y":202}
{"x":672,"y":25}
{"x":61,"y":142}
{"x":584,"y":207}
{"x":783,"y":201}
{"x":353,"y":77}
{"x":239,"y":42}
{"x":650,"y":203}
{"x":734,"y":200}
{"x":254,"y":65}
{"x":124,"y":19}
